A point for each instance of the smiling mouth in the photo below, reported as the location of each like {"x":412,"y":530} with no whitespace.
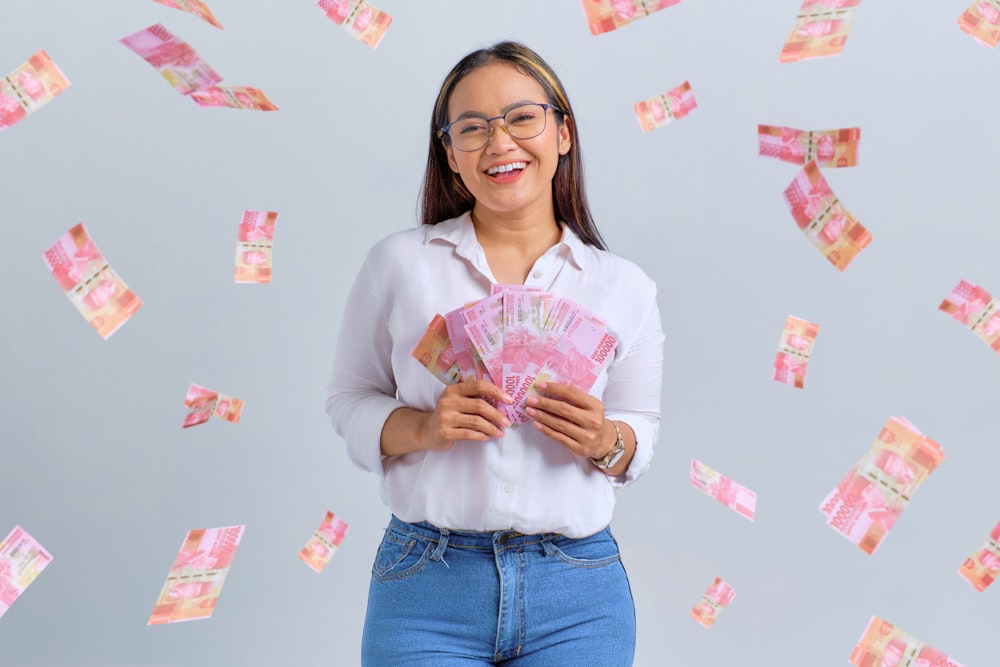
{"x":501,"y":169}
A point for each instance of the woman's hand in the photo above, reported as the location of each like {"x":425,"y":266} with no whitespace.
{"x":572,"y":418}
{"x":462,"y":413}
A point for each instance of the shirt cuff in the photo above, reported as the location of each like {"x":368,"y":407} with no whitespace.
{"x":645,"y":435}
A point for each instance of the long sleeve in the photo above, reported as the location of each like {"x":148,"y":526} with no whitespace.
{"x":362,"y":390}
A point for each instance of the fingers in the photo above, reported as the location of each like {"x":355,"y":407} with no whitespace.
{"x":569,"y":416}
{"x":463,"y":414}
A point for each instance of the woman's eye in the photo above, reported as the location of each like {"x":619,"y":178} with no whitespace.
{"x":472,"y":128}
{"x":523,"y":117}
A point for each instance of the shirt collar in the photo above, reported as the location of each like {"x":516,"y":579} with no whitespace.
{"x":462,"y":234}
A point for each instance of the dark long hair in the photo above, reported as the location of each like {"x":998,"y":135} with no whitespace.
{"x":444,"y":196}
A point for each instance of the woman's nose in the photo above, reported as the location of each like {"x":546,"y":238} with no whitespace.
{"x":500,"y":137}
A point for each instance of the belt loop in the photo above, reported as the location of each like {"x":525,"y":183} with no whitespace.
{"x":442,"y":545}
{"x":547,"y":546}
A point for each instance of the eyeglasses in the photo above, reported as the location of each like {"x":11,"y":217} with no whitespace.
{"x":525,"y":121}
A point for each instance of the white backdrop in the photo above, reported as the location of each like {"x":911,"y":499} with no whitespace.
{"x":94,"y":462}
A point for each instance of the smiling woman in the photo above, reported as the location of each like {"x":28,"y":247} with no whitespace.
{"x":499,"y":549}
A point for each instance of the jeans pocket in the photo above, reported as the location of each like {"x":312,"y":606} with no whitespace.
{"x":400,"y":555}
{"x":599,"y":550}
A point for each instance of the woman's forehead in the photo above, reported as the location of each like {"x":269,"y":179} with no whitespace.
{"x":491,"y":87}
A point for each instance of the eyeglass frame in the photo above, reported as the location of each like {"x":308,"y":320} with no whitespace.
{"x":446,"y":130}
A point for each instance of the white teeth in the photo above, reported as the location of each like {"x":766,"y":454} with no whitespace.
{"x":506,"y":167}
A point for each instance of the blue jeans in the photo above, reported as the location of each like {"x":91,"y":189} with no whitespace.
{"x":444,"y":598}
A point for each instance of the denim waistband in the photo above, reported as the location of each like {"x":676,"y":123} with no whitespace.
{"x":471,"y":539}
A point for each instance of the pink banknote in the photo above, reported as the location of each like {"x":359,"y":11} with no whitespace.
{"x":468,"y":362}
{"x":794,"y":348}
{"x":204,"y":403}
{"x":982,"y":567}
{"x":580,"y":355}
{"x":233,"y":97}
{"x":173,"y":58}
{"x":524,"y":315}
{"x":29,"y":87}
{"x":981,"y":21}
{"x":738,"y":498}
{"x":865,"y":505}
{"x":829,"y":148}
{"x":484,"y":324}
{"x":196,"y":7}
{"x":716,"y":598}
{"x":976,"y":308}
{"x":357,"y":17}
{"x":820,"y":30}
{"x":324,"y":543}
{"x":607,"y":15}
{"x":662,"y":109}
{"x":195,"y":580}
{"x":100,"y":295}
{"x":22,"y":559}
{"x":253,"y":247}
{"x":824,"y":220}
{"x":884,"y":645}
{"x":435,"y":353}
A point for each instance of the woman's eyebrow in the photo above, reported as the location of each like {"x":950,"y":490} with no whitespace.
{"x":482,"y":114}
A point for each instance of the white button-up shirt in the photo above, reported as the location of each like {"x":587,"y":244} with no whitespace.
{"x":524,"y":481}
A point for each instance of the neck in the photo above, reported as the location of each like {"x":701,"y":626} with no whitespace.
{"x":523,"y":231}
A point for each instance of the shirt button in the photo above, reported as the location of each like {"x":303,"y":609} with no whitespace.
{"x":536,"y":274}
{"x":508,"y":488}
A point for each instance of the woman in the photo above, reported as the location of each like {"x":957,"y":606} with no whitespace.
{"x":498,"y":551}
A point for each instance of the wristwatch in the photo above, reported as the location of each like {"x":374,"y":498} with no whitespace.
{"x":612,"y":457}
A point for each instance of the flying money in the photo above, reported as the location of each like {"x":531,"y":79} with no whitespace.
{"x":820,"y":30}
{"x":607,"y":15}
{"x":794,"y":348}
{"x":195,"y":7}
{"x":253,"y":247}
{"x":357,"y":17}
{"x":324,"y":543}
{"x":738,"y":498}
{"x":234,"y":97}
{"x":883,"y":644}
{"x":100,"y":295}
{"x":981,"y":21}
{"x":716,"y":598}
{"x":205,"y":403}
{"x":662,"y":109}
{"x":829,"y":148}
{"x":976,"y":308}
{"x":22,"y":559}
{"x":865,"y":505}
{"x":824,"y":220}
{"x":28,"y":88}
{"x":195,"y":580}
{"x":983,"y":566}
{"x":173,"y":58}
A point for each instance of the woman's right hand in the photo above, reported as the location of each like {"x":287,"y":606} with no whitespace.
{"x":462,"y":413}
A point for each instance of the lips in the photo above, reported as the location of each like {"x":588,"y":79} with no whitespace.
{"x":507,"y":171}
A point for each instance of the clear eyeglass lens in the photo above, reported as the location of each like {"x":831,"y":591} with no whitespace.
{"x":523,"y":122}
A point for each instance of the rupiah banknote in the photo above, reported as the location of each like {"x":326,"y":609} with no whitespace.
{"x":735,"y":496}
{"x":364,"y":22}
{"x":716,"y":598}
{"x":203,"y":404}
{"x":22,"y":559}
{"x":884,"y":645}
{"x":607,"y":15}
{"x":195,"y":7}
{"x":829,"y":148}
{"x":31,"y":85}
{"x":254,"y":242}
{"x":975,"y":308}
{"x":794,"y":348}
{"x":100,"y":295}
{"x":195,"y":581}
{"x":823,"y":219}
{"x":820,"y":30}
{"x":233,"y":97}
{"x":668,"y":107}
{"x":324,"y":543}
{"x":981,"y":21}
{"x":435,"y":353}
{"x":173,"y":58}
{"x":982,"y":567}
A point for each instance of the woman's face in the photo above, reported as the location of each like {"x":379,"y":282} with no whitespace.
{"x":490,"y":91}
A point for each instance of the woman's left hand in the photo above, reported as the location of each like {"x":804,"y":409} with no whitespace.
{"x":572,"y":418}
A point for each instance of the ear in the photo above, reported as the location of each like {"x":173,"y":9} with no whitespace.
{"x":565,"y":136}
{"x":450,"y":152}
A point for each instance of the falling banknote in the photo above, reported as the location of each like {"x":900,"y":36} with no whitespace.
{"x":738,"y":498}
{"x":324,"y":543}
{"x":983,"y":566}
{"x":234,"y":97}
{"x":824,"y":220}
{"x":829,"y":148}
{"x":205,"y":403}
{"x":662,"y":109}
{"x":196,"y":7}
{"x":29,"y":87}
{"x":884,"y":644}
{"x":865,"y":505}
{"x":253,"y":247}
{"x":716,"y":598}
{"x":173,"y":58}
{"x":357,"y":17}
{"x":982,"y":22}
{"x":22,"y":559}
{"x":820,"y":30}
{"x":607,"y":15}
{"x":976,"y":308}
{"x":100,"y":295}
{"x":794,"y":348}
{"x":197,"y":575}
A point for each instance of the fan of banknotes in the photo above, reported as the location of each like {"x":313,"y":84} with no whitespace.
{"x":516,"y":338}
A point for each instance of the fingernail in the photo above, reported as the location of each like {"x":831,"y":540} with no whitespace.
{"x":532,"y":400}
{"x":531,"y":411}
{"x":542,"y":385}
{"x":505,"y":422}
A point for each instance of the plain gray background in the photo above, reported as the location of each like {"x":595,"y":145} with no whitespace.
{"x":95,"y":464}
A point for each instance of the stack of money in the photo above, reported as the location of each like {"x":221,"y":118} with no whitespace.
{"x":607,"y":15}
{"x":22,"y":559}
{"x":820,"y":30}
{"x":516,"y":338}
{"x":29,"y":87}
{"x":360,"y":19}
{"x":716,"y":598}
